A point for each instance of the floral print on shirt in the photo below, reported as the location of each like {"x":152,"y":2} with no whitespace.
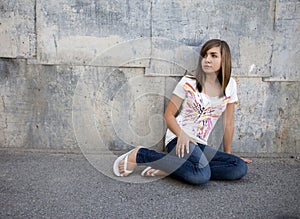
{"x":200,"y":113}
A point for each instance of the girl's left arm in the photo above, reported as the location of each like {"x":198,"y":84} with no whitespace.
{"x":228,"y":127}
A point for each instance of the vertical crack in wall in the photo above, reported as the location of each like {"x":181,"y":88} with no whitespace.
{"x":5,"y":121}
{"x":37,"y":16}
{"x":151,"y":29}
{"x":272,"y":46}
{"x":151,"y":17}
{"x":4,"y":110}
{"x":274,"y":15}
{"x":270,"y":62}
{"x":55,"y":44}
{"x":35,"y":29}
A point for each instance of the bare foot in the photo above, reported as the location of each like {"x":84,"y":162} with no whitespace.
{"x":131,"y":163}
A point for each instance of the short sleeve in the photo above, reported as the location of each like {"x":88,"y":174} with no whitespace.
{"x":179,"y":89}
{"x":231,"y":91}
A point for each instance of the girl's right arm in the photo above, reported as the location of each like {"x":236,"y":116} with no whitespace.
{"x":183,"y":139}
{"x":171,"y":110}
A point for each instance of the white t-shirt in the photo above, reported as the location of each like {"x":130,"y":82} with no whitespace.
{"x":199,"y":112}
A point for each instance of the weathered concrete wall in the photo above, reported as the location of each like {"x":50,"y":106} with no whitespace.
{"x":79,"y":73}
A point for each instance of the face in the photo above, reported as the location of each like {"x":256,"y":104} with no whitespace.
{"x":211,"y":62}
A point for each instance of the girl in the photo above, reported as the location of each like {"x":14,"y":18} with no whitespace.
{"x":202,"y":100}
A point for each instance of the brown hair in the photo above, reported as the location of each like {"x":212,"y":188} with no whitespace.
{"x":225,"y":70}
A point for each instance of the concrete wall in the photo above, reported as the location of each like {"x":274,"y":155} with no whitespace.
{"x":76,"y":73}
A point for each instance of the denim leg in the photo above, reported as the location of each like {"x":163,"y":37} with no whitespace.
{"x":226,"y":166}
{"x":193,"y":168}
{"x":196,"y":156}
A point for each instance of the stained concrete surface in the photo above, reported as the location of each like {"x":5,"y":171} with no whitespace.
{"x":35,"y":184}
{"x":49,"y":48}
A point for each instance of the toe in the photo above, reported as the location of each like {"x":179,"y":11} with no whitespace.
{"x":150,"y":172}
{"x":121,"y":167}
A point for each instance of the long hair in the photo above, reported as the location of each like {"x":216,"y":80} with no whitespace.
{"x":225,"y":70}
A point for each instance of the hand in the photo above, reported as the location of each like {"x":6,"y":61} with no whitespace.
{"x":183,"y":144}
{"x":246,"y":160}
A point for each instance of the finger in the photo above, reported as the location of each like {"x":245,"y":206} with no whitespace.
{"x":182,"y":151}
{"x":187,"y":148}
{"x":178,"y":150}
{"x":246,"y":160}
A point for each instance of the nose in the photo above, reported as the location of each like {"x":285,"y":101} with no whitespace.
{"x":207,"y":59}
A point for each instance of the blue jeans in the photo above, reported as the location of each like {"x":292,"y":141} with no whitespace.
{"x":198,"y":167}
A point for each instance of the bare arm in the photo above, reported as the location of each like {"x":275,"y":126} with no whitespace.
{"x":228,"y":127}
{"x":182,"y":138}
{"x":171,"y":110}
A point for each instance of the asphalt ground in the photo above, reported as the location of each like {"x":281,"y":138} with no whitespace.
{"x":65,"y":185}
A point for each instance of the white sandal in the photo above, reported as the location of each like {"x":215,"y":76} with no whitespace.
{"x":117,"y":162}
{"x":147,"y":169}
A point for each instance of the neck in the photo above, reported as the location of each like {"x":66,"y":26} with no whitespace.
{"x":212,"y":86}
{"x":211,"y":78}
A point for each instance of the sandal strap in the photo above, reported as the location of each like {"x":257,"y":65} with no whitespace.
{"x":154,"y":173}
{"x":125,"y":166}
